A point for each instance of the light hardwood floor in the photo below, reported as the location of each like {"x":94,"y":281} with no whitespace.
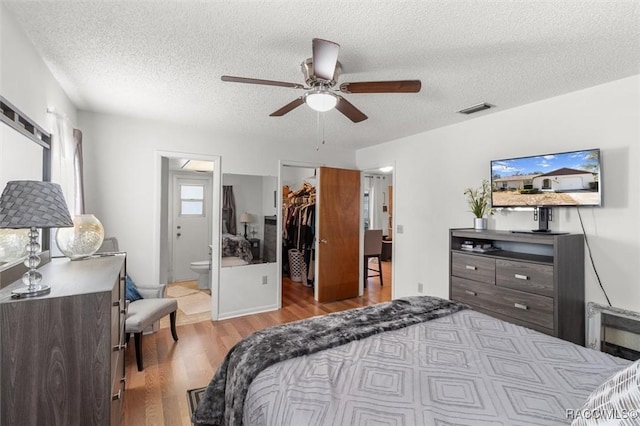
{"x":157,"y":395}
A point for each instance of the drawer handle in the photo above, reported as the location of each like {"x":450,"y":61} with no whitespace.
{"x":473,"y":268}
{"x":117,"y":396}
{"x":123,"y":311}
{"x":114,"y":304}
{"x":123,"y":380}
{"x":117,"y":348}
{"x":521,"y":277}
{"x":521,"y":306}
{"x":472,"y":293}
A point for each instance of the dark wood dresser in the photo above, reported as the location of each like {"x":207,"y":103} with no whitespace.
{"x":62,"y":354}
{"x":534,"y":280}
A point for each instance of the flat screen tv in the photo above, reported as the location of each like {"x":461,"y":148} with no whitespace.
{"x":565,"y":179}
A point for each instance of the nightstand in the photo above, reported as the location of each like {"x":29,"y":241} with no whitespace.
{"x":255,"y":248}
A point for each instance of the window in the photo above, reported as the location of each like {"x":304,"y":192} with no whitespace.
{"x":191,"y":200}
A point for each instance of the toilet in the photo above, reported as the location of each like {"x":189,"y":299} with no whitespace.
{"x":202,"y":267}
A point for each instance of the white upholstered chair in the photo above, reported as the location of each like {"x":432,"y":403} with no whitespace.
{"x":143,"y":313}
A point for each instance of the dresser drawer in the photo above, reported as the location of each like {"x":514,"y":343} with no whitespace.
{"x":472,"y":267}
{"x":531,"y":277}
{"x":516,"y":304}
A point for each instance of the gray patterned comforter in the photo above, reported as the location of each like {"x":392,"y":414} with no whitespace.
{"x":224,"y":400}
{"x":465,"y":369}
{"x":236,"y":245}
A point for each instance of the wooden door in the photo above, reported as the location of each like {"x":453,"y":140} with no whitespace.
{"x":338,"y":234}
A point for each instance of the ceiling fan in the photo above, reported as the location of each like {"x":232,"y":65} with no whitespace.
{"x":321,"y":73}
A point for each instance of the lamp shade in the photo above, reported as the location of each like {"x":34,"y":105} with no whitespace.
{"x":246,"y":218}
{"x":33,"y":204}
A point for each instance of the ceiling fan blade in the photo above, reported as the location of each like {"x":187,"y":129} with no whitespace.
{"x":325,"y":57}
{"x":288,"y":107}
{"x":233,"y":79}
{"x":347,"y":108}
{"x":399,"y":86}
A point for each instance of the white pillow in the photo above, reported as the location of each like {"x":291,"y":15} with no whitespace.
{"x":615,"y":402}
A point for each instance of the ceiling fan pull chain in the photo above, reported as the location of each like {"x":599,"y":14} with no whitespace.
{"x":323,"y":121}
{"x":317,"y":130}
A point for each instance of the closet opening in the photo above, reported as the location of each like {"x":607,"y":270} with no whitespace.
{"x":298,"y":233}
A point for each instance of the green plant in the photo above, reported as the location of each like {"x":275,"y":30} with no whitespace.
{"x":479,"y":199}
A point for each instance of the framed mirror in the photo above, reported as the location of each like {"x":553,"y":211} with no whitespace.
{"x":24,"y":155}
{"x":249,"y":209}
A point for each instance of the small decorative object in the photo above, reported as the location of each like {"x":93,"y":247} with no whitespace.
{"x":13,"y":244}
{"x":32,"y":205}
{"x":246,"y":218}
{"x":479,"y":200}
{"x":84,"y":239}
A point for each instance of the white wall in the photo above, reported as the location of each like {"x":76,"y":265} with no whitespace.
{"x":121,"y":180}
{"x":25,"y":80}
{"x":433,"y":168}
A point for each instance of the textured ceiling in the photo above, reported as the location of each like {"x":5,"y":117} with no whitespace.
{"x":164,"y":59}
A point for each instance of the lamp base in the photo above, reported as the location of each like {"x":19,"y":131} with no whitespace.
{"x":34,"y":291}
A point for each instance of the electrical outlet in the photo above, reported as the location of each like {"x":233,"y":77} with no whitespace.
{"x":265,"y":279}
{"x":420,"y":288}
{"x":400,"y":229}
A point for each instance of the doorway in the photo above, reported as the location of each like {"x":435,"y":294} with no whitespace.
{"x":377,"y":213}
{"x":189,"y":224}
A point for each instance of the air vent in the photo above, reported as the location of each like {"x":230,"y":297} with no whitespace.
{"x":476,"y":108}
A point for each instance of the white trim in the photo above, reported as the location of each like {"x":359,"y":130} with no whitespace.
{"x":248,"y":311}
{"x":394,"y":217}
{"x":216,"y":219}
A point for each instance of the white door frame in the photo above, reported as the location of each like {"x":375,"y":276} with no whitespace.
{"x":279,"y":254}
{"x":393,"y":223}
{"x":216,"y":221}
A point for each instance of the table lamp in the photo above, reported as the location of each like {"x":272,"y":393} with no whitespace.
{"x":32,"y":205}
{"x":245,"y":218}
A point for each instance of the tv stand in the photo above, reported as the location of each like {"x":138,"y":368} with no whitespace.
{"x":540,"y":230}
{"x":531,"y":279}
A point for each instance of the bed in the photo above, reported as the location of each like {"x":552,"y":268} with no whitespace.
{"x":236,"y":250}
{"x":411,"y":361}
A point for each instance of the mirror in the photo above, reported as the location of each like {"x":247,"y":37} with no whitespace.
{"x":249,"y":222}
{"x":20,"y":159}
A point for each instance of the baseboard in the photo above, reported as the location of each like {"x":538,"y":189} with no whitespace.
{"x":250,"y":311}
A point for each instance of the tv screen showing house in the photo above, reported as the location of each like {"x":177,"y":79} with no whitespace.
{"x":562,"y":179}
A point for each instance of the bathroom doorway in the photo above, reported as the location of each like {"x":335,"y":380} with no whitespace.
{"x":189,"y":227}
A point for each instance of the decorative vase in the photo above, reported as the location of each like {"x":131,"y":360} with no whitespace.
{"x":480,"y":223}
{"x":13,"y":244}
{"x":84,"y":239}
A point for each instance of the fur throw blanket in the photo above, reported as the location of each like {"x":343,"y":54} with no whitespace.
{"x":223,"y":401}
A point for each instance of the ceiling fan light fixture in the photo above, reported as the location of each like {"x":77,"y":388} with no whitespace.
{"x":321,"y":101}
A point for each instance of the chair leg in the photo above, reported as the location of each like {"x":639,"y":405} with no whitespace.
{"x":138,"y":340}
{"x":172,"y":320}
{"x":127,"y":338}
{"x":380,"y":269}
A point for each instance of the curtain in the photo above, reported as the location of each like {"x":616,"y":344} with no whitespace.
{"x":62,"y":158}
{"x":378,"y":197}
{"x":228,"y":210}
{"x":66,"y":161}
{"x":78,"y":169}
